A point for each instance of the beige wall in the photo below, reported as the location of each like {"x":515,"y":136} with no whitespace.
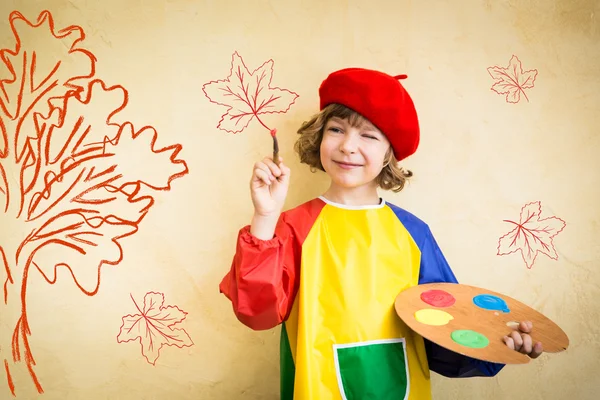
{"x":481,"y":160}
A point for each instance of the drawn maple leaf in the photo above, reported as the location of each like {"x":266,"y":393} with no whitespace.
{"x":80,"y":180}
{"x":512,"y":81}
{"x":247,"y":95}
{"x":532,"y":235}
{"x":153,"y":326}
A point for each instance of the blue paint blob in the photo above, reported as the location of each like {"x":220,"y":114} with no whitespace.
{"x":490,"y":302}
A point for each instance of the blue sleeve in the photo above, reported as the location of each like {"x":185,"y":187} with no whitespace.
{"x":435,"y":268}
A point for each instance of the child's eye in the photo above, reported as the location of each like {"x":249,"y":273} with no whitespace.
{"x":334,"y":129}
{"x":371,"y":137}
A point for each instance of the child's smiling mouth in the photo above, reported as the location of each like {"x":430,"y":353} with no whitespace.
{"x":346,"y":165}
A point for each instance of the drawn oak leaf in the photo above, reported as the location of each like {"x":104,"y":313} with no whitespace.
{"x":532,"y":235}
{"x":153,"y":326}
{"x":512,"y":81}
{"x":247,"y":95}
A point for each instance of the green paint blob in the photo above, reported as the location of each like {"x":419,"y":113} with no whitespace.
{"x":470,"y":338}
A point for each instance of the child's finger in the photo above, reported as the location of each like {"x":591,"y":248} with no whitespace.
{"x":262,"y":176}
{"x":265,"y":168}
{"x":526,"y":326}
{"x":527,"y":344}
{"x":285,"y":171}
{"x":516,"y":337}
{"x":509,"y":342}
{"x":538,"y":349}
{"x":273,"y":168}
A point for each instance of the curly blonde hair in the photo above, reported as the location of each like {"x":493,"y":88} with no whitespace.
{"x":308,"y":146}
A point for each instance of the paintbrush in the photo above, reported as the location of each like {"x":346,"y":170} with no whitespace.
{"x":275,"y":147}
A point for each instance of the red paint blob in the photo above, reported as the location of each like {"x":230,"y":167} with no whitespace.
{"x":438,"y":298}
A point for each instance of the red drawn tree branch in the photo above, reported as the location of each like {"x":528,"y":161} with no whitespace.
{"x":83,"y":181}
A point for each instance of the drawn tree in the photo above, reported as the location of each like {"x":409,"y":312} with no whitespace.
{"x":512,"y":80}
{"x":248,"y":95}
{"x":531,"y":235}
{"x":73,"y":180}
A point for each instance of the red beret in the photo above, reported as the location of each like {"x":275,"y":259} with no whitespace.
{"x":381,"y":99}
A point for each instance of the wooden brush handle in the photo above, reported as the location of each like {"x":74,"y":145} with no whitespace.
{"x":275,"y":149}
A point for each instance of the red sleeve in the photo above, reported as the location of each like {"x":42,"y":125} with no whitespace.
{"x":261,"y":283}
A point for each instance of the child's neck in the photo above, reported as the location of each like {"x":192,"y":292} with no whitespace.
{"x":360,"y":196}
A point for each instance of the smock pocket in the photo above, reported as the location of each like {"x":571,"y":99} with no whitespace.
{"x":374,"y":370}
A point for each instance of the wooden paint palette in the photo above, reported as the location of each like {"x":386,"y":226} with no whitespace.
{"x":473,"y":321}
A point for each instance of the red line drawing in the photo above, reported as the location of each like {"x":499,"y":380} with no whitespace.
{"x":512,"y":81}
{"x":80,"y":181}
{"x":532,"y":235}
{"x":153,"y":326}
{"x":248,"y":95}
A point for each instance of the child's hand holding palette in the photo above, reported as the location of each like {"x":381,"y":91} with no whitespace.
{"x":473,"y":321}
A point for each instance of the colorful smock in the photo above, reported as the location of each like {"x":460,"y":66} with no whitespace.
{"x":331,"y":275}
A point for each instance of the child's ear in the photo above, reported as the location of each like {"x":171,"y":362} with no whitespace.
{"x":388,"y":156}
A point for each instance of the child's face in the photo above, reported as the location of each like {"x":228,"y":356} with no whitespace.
{"x":352,"y":156}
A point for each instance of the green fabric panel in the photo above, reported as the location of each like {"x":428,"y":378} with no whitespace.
{"x":374,"y":371}
{"x":287,"y":367}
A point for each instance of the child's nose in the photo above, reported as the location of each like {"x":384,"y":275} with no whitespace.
{"x":348,"y":144}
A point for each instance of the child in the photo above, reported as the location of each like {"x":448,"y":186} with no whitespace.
{"x":329,"y":270}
